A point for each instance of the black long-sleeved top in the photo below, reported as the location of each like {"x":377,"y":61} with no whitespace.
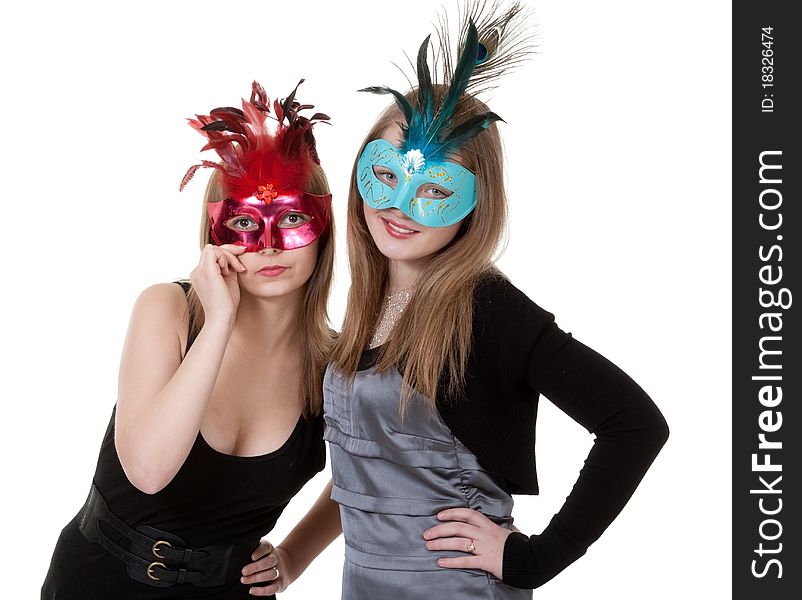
{"x":518,"y":353}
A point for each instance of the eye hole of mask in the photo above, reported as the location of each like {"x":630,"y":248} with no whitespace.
{"x":433,"y":191}
{"x":386,"y":176}
{"x":293,"y":219}
{"x":242,"y":223}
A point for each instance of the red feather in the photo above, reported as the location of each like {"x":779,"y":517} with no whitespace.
{"x":251,"y":154}
{"x":191,"y":172}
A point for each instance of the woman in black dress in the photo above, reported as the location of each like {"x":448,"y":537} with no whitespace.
{"x":217,"y":424}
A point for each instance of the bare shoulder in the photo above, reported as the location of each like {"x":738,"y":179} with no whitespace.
{"x":162,"y":297}
{"x":162,"y":308}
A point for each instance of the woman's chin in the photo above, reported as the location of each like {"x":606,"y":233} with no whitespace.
{"x":400,"y":250}
{"x":271,"y":287}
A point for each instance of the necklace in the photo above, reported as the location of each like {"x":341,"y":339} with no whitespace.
{"x":394,"y":307}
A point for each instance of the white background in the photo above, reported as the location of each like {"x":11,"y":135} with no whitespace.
{"x":618,"y":140}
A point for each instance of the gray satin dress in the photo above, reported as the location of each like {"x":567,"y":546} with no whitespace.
{"x":390,"y":480}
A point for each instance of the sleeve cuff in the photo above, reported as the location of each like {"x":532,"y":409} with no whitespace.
{"x":529,"y":562}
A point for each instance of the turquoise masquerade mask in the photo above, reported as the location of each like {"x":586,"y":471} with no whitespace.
{"x":417,"y":177}
{"x":434,"y":194}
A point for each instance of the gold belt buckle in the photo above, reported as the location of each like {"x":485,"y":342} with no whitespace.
{"x":156,"y":546}
{"x":151,"y":566}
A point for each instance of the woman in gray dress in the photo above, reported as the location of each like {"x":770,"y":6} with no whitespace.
{"x":431,"y":395}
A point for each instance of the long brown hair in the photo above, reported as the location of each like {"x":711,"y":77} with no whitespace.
{"x":317,"y":338}
{"x":433,"y":336}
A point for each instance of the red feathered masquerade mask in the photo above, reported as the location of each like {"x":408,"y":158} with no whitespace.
{"x":263,"y":173}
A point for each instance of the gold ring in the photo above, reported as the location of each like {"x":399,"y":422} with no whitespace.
{"x":277,"y":573}
{"x":471,"y":548}
{"x":150,"y":572}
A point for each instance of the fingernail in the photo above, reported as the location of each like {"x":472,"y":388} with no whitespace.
{"x":242,"y":580}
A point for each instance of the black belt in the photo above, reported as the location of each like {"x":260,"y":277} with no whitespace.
{"x":153,"y":557}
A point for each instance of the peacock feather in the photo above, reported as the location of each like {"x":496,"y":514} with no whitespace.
{"x":492,"y":41}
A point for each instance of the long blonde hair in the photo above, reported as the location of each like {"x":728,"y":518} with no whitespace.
{"x":433,"y":336}
{"x":317,"y":338}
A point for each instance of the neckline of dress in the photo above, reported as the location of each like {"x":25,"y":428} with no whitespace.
{"x":256,"y":457}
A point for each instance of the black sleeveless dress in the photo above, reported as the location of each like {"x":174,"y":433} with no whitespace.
{"x":215,"y":498}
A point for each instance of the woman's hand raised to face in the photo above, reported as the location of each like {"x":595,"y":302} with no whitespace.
{"x":215,"y":280}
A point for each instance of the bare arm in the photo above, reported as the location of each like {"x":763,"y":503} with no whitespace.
{"x":162,"y":400}
{"x":284,"y":564}
{"x":319,"y":528}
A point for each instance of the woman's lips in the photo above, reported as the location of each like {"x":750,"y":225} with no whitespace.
{"x":271,"y":271}
{"x":397,"y":230}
